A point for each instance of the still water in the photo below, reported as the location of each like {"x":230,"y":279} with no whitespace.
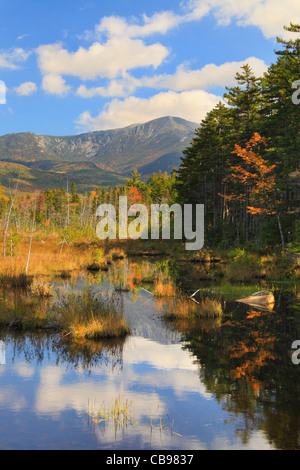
{"x":224,"y":383}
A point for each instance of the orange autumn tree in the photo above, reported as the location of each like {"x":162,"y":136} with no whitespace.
{"x":257,"y":178}
{"x":134,"y":196}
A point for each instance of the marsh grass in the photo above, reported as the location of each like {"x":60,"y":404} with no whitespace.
{"x":46,"y":257}
{"x":164,"y":287}
{"x":15,"y":280}
{"x":231,"y":291}
{"x":116,"y":253}
{"x":119,"y":412}
{"x":90,"y":316}
{"x":186,"y":308}
{"x":25,"y":313}
{"x":163,"y":424}
{"x":78,"y":316}
{"x":42,"y":289}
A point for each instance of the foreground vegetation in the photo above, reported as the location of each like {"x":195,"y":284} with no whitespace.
{"x":78,"y":316}
{"x":243,"y":165}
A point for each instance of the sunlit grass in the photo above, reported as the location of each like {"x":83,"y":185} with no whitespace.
{"x":164,"y":288}
{"x":116,"y":253}
{"x":15,"y":280}
{"x":231,"y":291}
{"x":119,"y":412}
{"x":91,"y":316}
{"x":186,"y":308}
{"x":77,"y":316}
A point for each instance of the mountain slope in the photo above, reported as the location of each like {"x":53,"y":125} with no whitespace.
{"x":154,"y":145}
{"x":30,"y":180}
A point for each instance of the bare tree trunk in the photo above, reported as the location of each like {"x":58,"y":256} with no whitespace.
{"x":280,"y":230}
{"x":30,"y":243}
{"x":8,"y":218}
{"x":68,"y":204}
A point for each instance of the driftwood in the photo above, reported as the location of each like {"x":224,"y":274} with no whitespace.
{"x":264,"y":299}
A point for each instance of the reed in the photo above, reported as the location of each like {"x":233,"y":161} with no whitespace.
{"x":39,"y":288}
{"x":186,"y":308}
{"x":119,"y":412}
{"x":164,"y":288}
{"x":90,"y":316}
{"x":116,"y":253}
{"x":78,"y":316}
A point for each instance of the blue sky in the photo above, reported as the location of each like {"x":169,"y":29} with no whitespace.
{"x":72,"y":66}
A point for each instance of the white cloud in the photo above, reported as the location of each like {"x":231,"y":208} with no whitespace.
{"x":116,"y":88}
{"x":190,"y":105}
{"x":268,"y":15}
{"x":208,"y":77}
{"x":10,"y":59}
{"x":113,"y":58}
{"x":23,"y":36}
{"x":55,"y":85}
{"x":26,"y":89}
{"x":159,"y":23}
{"x":183,"y":79}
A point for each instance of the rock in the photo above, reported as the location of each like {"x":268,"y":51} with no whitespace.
{"x":259,"y":299}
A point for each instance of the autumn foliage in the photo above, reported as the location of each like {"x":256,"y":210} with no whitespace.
{"x":254,"y":179}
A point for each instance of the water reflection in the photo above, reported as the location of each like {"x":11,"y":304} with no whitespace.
{"x":192,"y":383}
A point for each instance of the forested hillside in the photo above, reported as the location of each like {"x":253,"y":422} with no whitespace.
{"x":244,"y":160}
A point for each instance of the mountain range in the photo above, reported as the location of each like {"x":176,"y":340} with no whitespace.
{"x":95,"y":158}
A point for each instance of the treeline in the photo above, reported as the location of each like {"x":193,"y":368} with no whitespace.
{"x":243,"y":163}
{"x":73,"y":215}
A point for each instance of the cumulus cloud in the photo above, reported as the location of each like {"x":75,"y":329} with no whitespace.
{"x":268,"y":15}
{"x":10,"y":59}
{"x":184,"y":79}
{"x":107,"y":60}
{"x":26,"y":89}
{"x":208,"y":77}
{"x":119,"y":49}
{"x":191,"y":105}
{"x":116,"y":88}
{"x":159,"y":23}
{"x":55,"y":85}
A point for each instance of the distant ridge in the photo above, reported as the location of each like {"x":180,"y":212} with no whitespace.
{"x":151,"y":146}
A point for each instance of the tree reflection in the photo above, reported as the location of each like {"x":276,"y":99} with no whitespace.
{"x":246,"y":364}
{"x":41,"y":347}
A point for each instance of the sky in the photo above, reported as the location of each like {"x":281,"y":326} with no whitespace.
{"x":74,"y":66}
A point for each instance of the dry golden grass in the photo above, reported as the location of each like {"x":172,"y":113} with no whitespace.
{"x":41,"y":289}
{"x":91,"y":317}
{"x":164,"y":288}
{"x":116,"y":253}
{"x":103,"y":328}
{"x":186,"y":308}
{"x":80,"y":316}
{"x":45,"y":258}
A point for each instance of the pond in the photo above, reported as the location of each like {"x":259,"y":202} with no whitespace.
{"x":211,"y":383}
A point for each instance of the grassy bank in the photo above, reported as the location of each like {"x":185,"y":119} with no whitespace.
{"x":183,"y":308}
{"x":77,"y":316}
{"x":54,"y":255}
